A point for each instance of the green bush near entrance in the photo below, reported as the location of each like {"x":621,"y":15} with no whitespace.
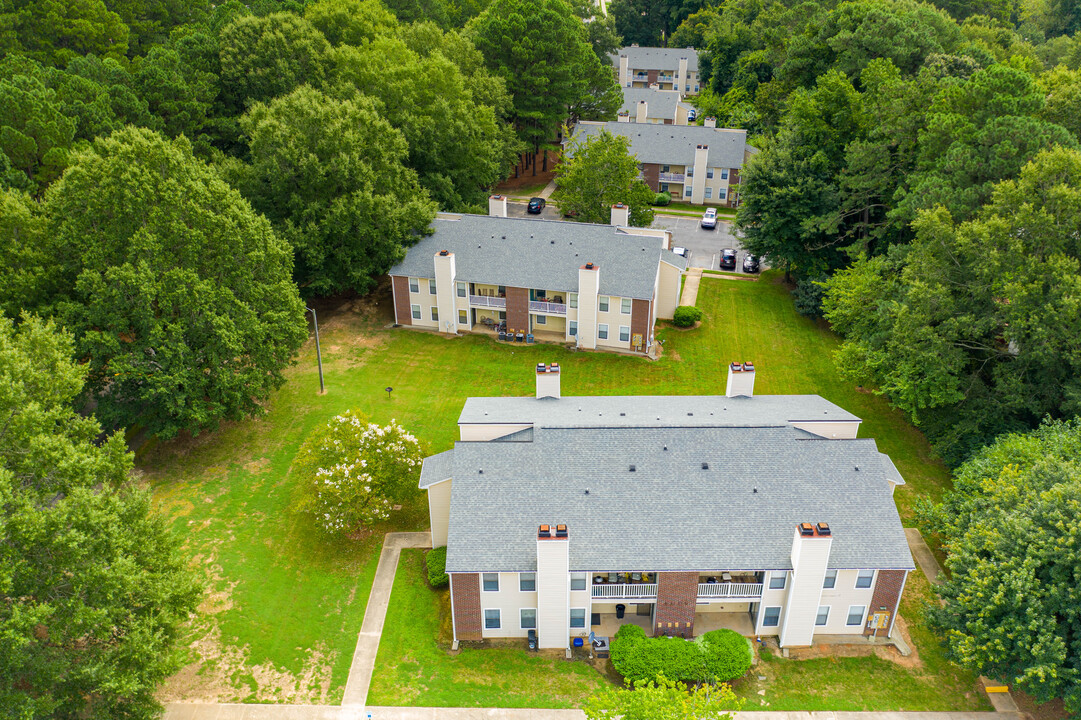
{"x":436,"y":560}
{"x":716,"y":656}
{"x":686,"y":315}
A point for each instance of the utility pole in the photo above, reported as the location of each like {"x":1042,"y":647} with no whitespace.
{"x":318,"y":352}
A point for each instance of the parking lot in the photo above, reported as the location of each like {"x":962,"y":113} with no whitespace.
{"x":518,"y":209}
{"x":705,"y":245}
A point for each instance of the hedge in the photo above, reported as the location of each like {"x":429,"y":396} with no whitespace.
{"x":662,"y":199}
{"x":716,"y":656}
{"x":686,"y":315}
{"x":437,"y":567}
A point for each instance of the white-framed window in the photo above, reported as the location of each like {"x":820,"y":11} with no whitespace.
{"x":541,"y":320}
{"x":830,"y":580}
{"x":435,"y":313}
{"x":690,"y":171}
{"x":722,"y":193}
{"x":709,"y":193}
{"x":777,"y":580}
{"x":572,"y":300}
{"x":572,"y":331}
{"x":865,"y":578}
{"x":461,"y":289}
{"x":855,"y":615}
{"x":687,"y":191}
{"x":724,"y":173}
{"x":414,"y":285}
{"x":431,"y":286}
{"x":602,"y":303}
{"x":491,"y":618}
{"x":696,"y":88}
{"x":578,"y":581}
{"x":624,"y":333}
{"x":771,"y":616}
{"x":416,"y":311}
{"x":490,"y":582}
{"x":823,"y":616}
{"x":578,"y":617}
{"x":709,"y":173}
{"x":528,"y":618}
{"x":625,"y":306}
{"x":463,"y":317}
{"x":527,"y":582}
{"x":602,"y":332}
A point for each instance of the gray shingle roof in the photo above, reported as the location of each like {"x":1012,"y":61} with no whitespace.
{"x":659,"y":103}
{"x":650,"y":58}
{"x":437,"y":468}
{"x":544,"y":254}
{"x":670,"y":514}
{"x":654,"y":411}
{"x":674,"y":144}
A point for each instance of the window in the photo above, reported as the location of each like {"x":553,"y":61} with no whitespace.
{"x":664,"y":187}
{"x":541,"y":320}
{"x":687,"y":192}
{"x":602,"y":332}
{"x":709,"y":173}
{"x":578,"y":617}
{"x":414,"y":285}
{"x":830,"y":580}
{"x":501,"y":290}
{"x":709,"y":192}
{"x":463,"y":317}
{"x":528,"y":618}
{"x":578,"y":581}
{"x":696,"y":88}
{"x":491,"y":582}
{"x":666,"y":168}
{"x":823,"y":615}
{"x":527,"y":582}
{"x":724,"y":173}
{"x":624,"y":333}
{"x":573,"y":328}
{"x":690,"y":171}
{"x":771,"y":617}
{"x":688,"y":88}
{"x":864,"y":579}
{"x":491,"y":619}
{"x":416,"y":311}
{"x":855,"y":615}
{"x":461,"y":289}
{"x":572,"y":300}
{"x":777,"y":580}
{"x":435,"y":313}
{"x":722,"y":193}
{"x":431,"y":286}
{"x":603,"y":303}
{"x":625,"y":306}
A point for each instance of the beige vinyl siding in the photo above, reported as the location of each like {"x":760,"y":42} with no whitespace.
{"x":844,"y":430}
{"x":439,"y":511}
{"x":508,"y":600}
{"x":839,"y":599}
{"x":426,"y":301}
{"x":482,"y":431}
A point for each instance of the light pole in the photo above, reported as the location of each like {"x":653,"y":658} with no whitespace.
{"x":318,"y":352}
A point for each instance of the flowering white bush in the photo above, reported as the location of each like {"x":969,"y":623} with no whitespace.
{"x":353,"y":471}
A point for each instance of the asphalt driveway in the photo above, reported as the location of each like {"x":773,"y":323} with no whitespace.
{"x":705,"y":245}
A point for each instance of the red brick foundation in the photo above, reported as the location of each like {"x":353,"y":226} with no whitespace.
{"x":677,"y":594}
{"x":468,"y":616}
{"x":887,"y":595}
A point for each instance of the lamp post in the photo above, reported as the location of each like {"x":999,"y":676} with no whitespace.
{"x":318,"y":352}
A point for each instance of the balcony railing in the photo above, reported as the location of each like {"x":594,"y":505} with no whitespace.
{"x":636,"y":591}
{"x":488,"y":301}
{"x":730,"y":590}
{"x":671,"y":177}
{"x":665,"y":78}
{"x":547,"y":307}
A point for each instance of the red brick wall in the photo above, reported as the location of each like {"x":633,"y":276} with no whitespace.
{"x":518,"y":309}
{"x":468,"y":616}
{"x":733,"y":187}
{"x":640,"y":320}
{"x":677,"y":593}
{"x":887,"y":595}
{"x":401,"y":300}
{"x":651,"y":76}
{"x":651,"y":173}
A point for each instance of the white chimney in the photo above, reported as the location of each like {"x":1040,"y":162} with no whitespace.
{"x":621,"y":215}
{"x":710,"y":122}
{"x":548,"y":380}
{"x":497,"y":206}
{"x":740,"y":380}
{"x":641,"y":112}
{"x":623,"y":116}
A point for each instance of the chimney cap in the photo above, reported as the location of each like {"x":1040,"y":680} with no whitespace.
{"x":496,"y":197}
{"x":618,"y":205}
{"x":824,"y":529}
{"x":736,"y":367}
{"x":544,"y":531}
{"x":748,"y":366}
{"x":589,"y":266}
{"x":806,"y":529}
{"x":561,"y":531}
{"x":444,"y":253}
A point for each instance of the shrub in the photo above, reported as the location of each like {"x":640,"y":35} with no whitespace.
{"x":436,"y":560}
{"x":717,"y":656}
{"x":729,"y":652}
{"x":807,"y":297}
{"x":686,"y":315}
{"x":662,"y":199}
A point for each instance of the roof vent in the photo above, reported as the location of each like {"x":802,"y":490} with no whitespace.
{"x":632,"y":468}
{"x":705,"y":466}
{"x":824,"y":529}
{"x":623,"y":414}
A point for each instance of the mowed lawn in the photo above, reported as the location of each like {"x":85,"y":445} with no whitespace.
{"x":285,"y":605}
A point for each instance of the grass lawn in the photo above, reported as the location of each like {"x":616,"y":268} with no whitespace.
{"x":414,"y":666}
{"x":284,"y":607}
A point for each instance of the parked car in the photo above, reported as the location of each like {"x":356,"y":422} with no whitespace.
{"x":536,"y":205}
{"x":709,"y":220}
{"x":683,"y":252}
{"x":750,"y":264}
{"x":692,"y":114}
{"x":728,"y":259}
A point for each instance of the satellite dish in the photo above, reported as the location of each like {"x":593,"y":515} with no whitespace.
{"x":592,"y":638}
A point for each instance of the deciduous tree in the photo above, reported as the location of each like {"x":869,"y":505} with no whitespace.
{"x":597,"y":173}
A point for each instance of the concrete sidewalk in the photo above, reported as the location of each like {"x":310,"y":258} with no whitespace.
{"x":923,"y":556}
{"x":690,"y":286}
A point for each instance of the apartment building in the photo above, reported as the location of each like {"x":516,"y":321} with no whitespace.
{"x":600,"y":287}
{"x":563,"y":515}
{"x":653,"y":106}
{"x":699,"y":164}
{"x":668,"y":68}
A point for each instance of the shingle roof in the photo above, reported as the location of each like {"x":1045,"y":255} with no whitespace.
{"x":659,"y":103}
{"x":674,"y":144}
{"x":650,"y":58}
{"x":437,"y":468}
{"x":670,"y":514}
{"x":544,"y":254}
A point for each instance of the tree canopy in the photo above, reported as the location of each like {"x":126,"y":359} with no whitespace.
{"x":597,"y":173}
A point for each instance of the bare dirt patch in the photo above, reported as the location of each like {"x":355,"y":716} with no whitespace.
{"x":258,"y":467}
{"x":859,"y":648}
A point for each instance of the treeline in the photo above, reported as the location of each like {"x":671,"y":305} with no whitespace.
{"x":915,"y":181}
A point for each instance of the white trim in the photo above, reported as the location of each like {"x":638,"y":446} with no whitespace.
{"x":484,"y":626}
{"x":534,"y":574}
{"x":453,"y":620}
{"x":482,"y":589}
{"x":819,"y":611}
{"x":523,"y":627}
{"x":856,"y":583}
{"x":765,"y":607}
{"x":863,"y":616}
{"x":585,"y":619}
{"x":834,"y":585}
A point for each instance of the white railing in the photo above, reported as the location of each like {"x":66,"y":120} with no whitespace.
{"x":671,"y":177}
{"x":730,"y":590}
{"x":487,"y":301}
{"x":637,"y":591}
{"x":547,"y":307}
{"x":665,"y":78}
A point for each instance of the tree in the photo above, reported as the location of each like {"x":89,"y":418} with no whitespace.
{"x":1062,"y":90}
{"x":650,"y":23}
{"x":331,"y":175}
{"x":1010,"y":528}
{"x":662,"y":699}
{"x":150,"y":21}
{"x":179,"y":295}
{"x":597,"y":173}
{"x":22,"y":255}
{"x":351,"y":22}
{"x":35,"y":135}
{"x":95,"y":588}
{"x":352,"y":471}
{"x":176,"y":91}
{"x":56,"y":31}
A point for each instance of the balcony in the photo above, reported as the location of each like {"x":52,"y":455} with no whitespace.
{"x":622,"y":591}
{"x":551,"y":308}
{"x":671,"y":177}
{"x":730,"y":590}
{"x":488,"y":301}
{"x":665,"y":79}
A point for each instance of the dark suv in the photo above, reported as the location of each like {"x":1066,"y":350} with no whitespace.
{"x":728,"y":259}
{"x":536,"y":205}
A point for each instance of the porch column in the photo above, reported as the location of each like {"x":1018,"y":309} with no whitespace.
{"x":677,"y":596}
